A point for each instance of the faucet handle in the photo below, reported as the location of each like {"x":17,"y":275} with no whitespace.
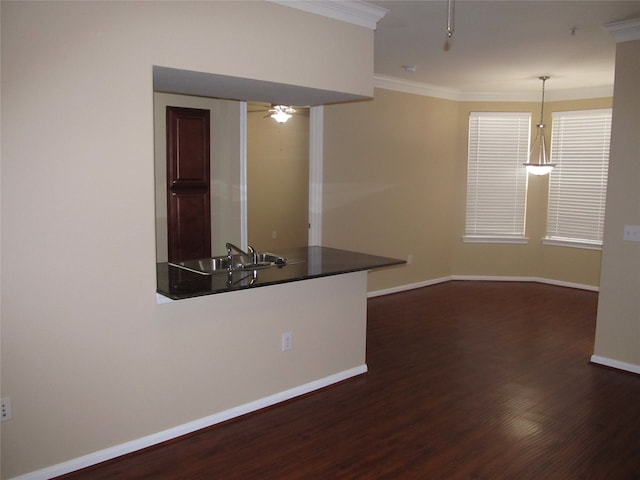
{"x":253,"y":252}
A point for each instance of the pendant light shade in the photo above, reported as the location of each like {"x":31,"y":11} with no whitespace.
{"x":538,"y":163}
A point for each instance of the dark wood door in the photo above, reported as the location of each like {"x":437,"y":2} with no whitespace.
{"x":188,"y":184}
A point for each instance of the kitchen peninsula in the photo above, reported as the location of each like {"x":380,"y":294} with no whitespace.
{"x":302,"y":263}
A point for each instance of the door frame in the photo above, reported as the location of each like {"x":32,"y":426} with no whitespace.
{"x":316,"y":134}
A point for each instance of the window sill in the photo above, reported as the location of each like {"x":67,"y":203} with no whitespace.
{"x":573,"y":243}
{"x":514,"y":239}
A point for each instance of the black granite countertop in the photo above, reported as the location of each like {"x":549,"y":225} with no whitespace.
{"x":302,"y":264}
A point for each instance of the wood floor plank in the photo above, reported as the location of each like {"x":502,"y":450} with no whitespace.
{"x":467,"y":380}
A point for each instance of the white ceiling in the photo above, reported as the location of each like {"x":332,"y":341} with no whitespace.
{"x":500,"y":48}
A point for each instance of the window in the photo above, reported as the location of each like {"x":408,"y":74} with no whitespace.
{"x":578,"y":184}
{"x":496,"y":179}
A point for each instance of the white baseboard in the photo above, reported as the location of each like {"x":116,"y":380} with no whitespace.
{"x":426,"y":283}
{"x":610,"y":362}
{"x":547,"y":281}
{"x":171,"y":433}
{"x":409,"y":286}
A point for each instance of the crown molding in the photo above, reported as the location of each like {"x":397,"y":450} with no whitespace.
{"x":350,"y":11}
{"x":407,"y":86}
{"x":416,"y":88}
{"x":625,"y":30}
{"x":603,"y":91}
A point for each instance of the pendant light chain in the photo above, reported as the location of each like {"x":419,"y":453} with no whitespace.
{"x":542,"y":166}
{"x":544,"y":79}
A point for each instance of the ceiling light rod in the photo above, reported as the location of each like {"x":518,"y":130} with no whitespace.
{"x":450,"y":17}
{"x":542,"y":166}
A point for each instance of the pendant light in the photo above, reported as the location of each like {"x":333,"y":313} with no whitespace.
{"x":538,"y":163}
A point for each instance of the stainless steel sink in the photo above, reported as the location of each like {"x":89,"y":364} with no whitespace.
{"x":270,"y":258}
{"x":221,"y":264}
{"x":206,"y":266}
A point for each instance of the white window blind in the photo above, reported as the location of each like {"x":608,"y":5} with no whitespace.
{"x":496,"y":178}
{"x":578,"y":184}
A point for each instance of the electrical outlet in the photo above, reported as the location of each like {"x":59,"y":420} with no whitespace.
{"x":287,"y":341}
{"x":6,"y":409}
{"x":409,"y":259}
{"x":631,"y":233}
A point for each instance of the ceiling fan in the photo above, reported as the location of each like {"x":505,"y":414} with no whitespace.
{"x":280,"y":113}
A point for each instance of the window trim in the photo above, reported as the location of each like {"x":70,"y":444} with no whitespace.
{"x":515,"y":239}
{"x":564,"y":241}
{"x":522,"y":139}
{"x":571,"y":242}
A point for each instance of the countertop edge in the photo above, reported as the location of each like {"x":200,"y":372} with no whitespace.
{"x":319,"y":262}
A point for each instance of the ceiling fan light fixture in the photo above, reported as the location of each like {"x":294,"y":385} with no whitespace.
{"x":542,"y":165}
{"x":282,"y":113}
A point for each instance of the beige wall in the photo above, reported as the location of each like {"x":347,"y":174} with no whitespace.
{"x":389,"y":167}
{"x":89,"y":359}
{"x":618,"y":325}
{"x":277,"y":181}
{"x":395,"y":184}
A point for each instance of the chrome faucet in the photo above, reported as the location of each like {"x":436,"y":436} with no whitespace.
{"x":252,"y":254}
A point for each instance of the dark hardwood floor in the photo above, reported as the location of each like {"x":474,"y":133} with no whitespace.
{"x":467,"y":380}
